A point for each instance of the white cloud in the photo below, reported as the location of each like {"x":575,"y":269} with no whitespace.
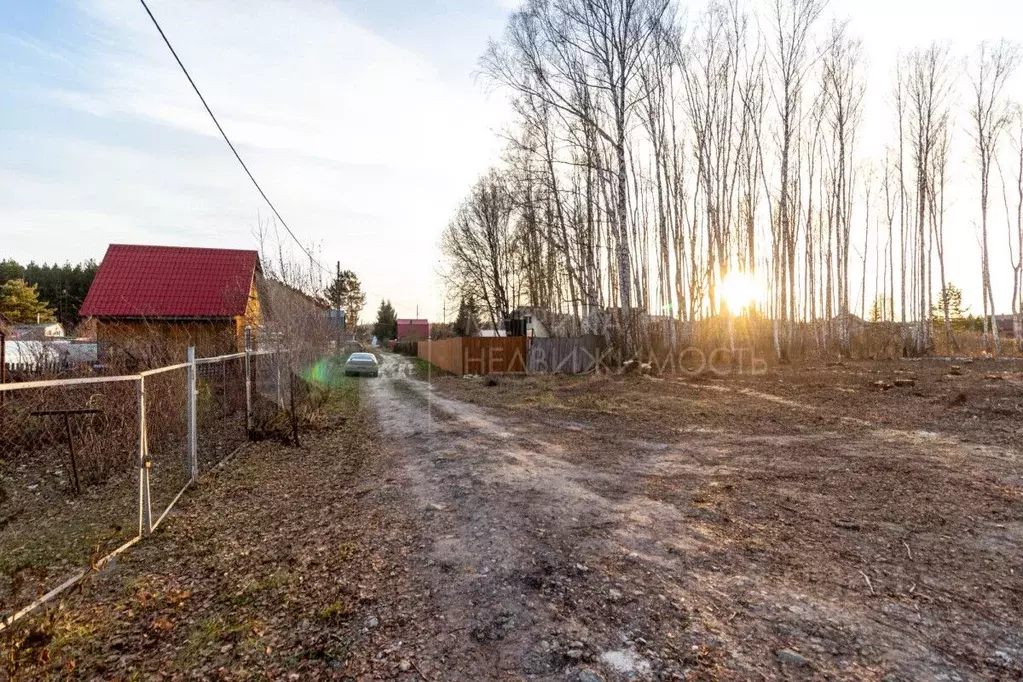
{"x":357,"y":140}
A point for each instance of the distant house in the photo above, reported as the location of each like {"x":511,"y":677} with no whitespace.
{"x":855,"y":324}
{"x":492,"y":333}
{"x":43,"y":331}
{"x":413,"y":330}
{"x":542,"y":323}
{"x":1005,"y":326}
{"x":151,"y":302}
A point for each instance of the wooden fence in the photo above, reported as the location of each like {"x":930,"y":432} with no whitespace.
{"x":473,"y":355}
{"x":445,"y":354}
{"x":567,"y":356}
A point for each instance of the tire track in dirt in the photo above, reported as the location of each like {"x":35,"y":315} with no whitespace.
{"x":513,"y":534}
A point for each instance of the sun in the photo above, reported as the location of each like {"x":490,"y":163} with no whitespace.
{"x":739,"y":290}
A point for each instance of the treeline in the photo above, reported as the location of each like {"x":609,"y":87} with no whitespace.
{"x":60,"y":287}
{"x":660,"y":154}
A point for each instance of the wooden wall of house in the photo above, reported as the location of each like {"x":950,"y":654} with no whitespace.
{"x":159,"y":342}
{"x":252,"y":319}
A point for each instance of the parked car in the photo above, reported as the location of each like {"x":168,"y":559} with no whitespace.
{"x":362,"y":364}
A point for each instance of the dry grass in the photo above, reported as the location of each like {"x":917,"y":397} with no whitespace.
{"x":244,"y":576}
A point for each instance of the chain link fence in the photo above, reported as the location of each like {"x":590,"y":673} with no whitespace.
{"x":89,"y":466}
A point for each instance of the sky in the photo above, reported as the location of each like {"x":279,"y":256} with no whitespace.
{"x":362,"y":119}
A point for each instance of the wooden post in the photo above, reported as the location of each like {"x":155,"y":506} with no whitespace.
{"x":145,"y":505}
{"x":278,"y":357}
{"x":248,"y":382}
{"x":67,"y":414}
{"x":294,"y":414}
{"x":192,"y":456}
{"x":71,"y":449}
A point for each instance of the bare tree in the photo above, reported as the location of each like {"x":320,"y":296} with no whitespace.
{"x":1016,"y":232}
{"x":647,"y":162}
{"x":554,"y":48}
{"x":936,"y":200}
{"x":930,"y":83}
{"x":843,"y":88}
{"x":990,"y":70}
{"x":793,"y":21}
{"x":479,"y":246}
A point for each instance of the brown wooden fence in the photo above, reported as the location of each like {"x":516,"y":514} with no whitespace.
{"x":472,"y":355}
{"x":567,"y":356}
{"x":446,"y":354}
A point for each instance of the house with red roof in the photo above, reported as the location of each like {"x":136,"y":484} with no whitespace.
{"x":151,"y":302}
{"x":413,"y":330}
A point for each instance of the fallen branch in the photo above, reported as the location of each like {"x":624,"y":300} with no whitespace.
{"x":421,"y":673}
{"x":868,"y":582}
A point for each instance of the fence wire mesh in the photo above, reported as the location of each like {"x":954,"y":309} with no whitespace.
{"x":220,"y":410}
{"x":68,"y":482}
{"x":271,"y":390}
{"x":72,"y":458}
{"x":166,"y":401}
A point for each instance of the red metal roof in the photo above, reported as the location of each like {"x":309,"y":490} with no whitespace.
{"x":413,"y":328}
{"x":171,"y":281}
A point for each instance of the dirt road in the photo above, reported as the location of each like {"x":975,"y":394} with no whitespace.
{"x":553,"y":550}
{"x":518,"y":549}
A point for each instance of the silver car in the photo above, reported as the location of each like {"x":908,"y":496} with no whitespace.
{"x":362,"y":364}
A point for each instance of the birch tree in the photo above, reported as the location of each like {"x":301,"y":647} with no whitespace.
{"x":989,"y":72}
{"x":792,"y":24}
{"x":553,"y":48}
{"x":480,"y":249}
{"x":931,"y":79}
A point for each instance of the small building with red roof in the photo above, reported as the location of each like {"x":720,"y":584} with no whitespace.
{"x":413,"y":330}
{"x":151,"y":302}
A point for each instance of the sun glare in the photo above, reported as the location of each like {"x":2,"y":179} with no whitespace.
{"x":739,"y":291}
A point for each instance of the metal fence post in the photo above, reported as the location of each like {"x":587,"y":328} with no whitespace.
{"x":248,"y":382}
{"x":192,"y":461}
{"x":145,"y":506}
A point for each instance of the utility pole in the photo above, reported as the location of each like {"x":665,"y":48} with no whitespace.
{"x":340,"y":321}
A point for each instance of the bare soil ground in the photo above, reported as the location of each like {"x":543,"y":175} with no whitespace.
{"x":873,"y":532}
{"x":803,"y":524}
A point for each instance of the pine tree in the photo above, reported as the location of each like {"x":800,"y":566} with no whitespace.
{"x":953,"y":297}
{"x":64,"y":286}
{"x":468,"y":321}
{"x":386,"y":327}
{"x":19,"y":303}
{"x":11,"y":269}
{"x":345,"y":292}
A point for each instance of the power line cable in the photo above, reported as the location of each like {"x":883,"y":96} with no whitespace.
{"x":223,"y":134}
{"x":228,"y":140}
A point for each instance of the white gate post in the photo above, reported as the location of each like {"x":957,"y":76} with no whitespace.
{"x":248,"y":382}
{"x":192,"y":462}
{"x":145,"y":506}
